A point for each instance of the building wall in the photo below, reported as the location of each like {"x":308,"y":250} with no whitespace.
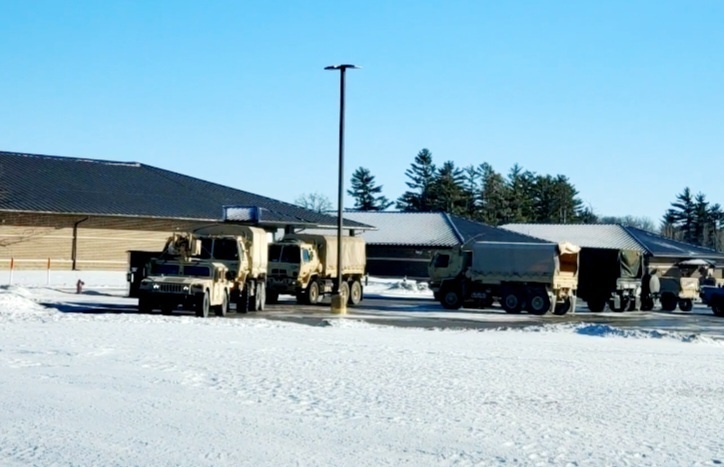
{"x":30,"y":241}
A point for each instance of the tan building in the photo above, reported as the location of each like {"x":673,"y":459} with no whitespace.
{"x":82,"y":214}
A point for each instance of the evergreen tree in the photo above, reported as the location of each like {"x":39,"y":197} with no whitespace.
{"x":421,"y":174}
{"x":682,"y":216}
{"x":494,"y":193}
{"x":472,"y":186}
{"x":447,"y":192}
{"x":521,"y":195}
{"x":366,"y":193}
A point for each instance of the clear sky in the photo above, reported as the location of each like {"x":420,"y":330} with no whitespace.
{"x":626,"y":98}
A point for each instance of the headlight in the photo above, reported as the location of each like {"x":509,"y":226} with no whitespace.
{"x":156,"y":286}
{"x":186,"y":288}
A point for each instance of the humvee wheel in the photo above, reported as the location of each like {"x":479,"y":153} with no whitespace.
{"x":511,"y":302}
{"x":222,"y":309}
{"x":272,"y":298}
{"x":538,"y":302}
{"x":686,"y":304}
{"x":144,"y":305}
{"x":202,"y":307}
{"x":355,"y":293}
{"x":647,"y":304}
{"x":311,"y":296}
{"x":166,"y":309}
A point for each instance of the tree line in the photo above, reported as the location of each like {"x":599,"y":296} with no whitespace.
{"x":481,"y":194}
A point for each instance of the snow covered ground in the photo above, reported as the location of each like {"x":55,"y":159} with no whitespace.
{"x":130,"y":389}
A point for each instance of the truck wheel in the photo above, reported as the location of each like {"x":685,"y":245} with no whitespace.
{"x":202,"y":307}
{"x":344,"y":289}
{"x":222,"y":309}
{"x":242,"y":303}
{"x":563,"y":307}
{"x":596,"y":305}
{"x":511,"y":302}
{"x":261,"y":295}
{"x":647,"y":304}
{"x":668,"y":301}
{"x":623,"y":304}
{"x":538,"y":302}
{"x":355,"y":293}
{"x":272,"y":298}
{"x":166,"y":309}
{"x":452,"y":299}
{"x":311,"y":296}
{"x":686,"y":304}
{"x":717,"y":306}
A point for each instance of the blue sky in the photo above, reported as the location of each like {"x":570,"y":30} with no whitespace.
{"x":626,"y":98}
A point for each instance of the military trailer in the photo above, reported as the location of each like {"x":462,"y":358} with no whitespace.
{"x":536,"y":277}
{"x":610,"y":277}
{"x":305,"y":265}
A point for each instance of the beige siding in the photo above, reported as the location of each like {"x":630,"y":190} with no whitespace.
{"x":30,"y":240}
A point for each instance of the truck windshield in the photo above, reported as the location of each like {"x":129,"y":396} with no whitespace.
{"x":284,"y":254}
{"x":165,"y":269}
{"x":201,"y":271}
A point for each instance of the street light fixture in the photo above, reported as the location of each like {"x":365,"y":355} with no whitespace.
{"x":339,"y":301}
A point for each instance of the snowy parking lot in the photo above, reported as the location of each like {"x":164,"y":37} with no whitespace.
{"x":130,"y":389}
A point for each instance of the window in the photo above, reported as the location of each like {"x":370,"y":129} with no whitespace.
{"x":201,"y":271}
{"x":442,"y":261}
{"x":226,"y":248}
{"x":165,"y":269}
{"x":306,"y":256}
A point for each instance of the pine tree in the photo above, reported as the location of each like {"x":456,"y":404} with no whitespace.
{"x":365,"y":192}
{"x":494,"y":195}
{"x":521,"y":194}
{"x":682,"y":215}
{"x":447,"y":192}
{"x":421,"y":174}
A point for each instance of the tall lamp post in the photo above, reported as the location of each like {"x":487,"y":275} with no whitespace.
{"x":339,"y":300}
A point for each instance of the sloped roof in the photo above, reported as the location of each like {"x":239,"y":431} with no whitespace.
{"x":616,"y":237}
{"x":664,"y":247}
{"x":428,"y":229}
{"x":66,"y":185}
{"x":607,"y":236}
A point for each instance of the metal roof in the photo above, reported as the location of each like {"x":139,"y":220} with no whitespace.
{"x":607,"y":236}
{"x":663,"y":247}
{"x":428,"y":229}
{"x":66,"y":185}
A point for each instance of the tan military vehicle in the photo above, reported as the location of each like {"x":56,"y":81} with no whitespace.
{"x":537,"y":277}
{"x":305,"y":265}
{"x":186,"y":282}
{"x":681,"y":283}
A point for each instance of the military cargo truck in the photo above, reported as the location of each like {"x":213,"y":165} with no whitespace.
{"x":305,"y":265}
{"x":192,"y":284}
{"x":681,"y":283}
{"x":241,"y":249}
{"x":612,"y":277}
{"x":537,"y":277}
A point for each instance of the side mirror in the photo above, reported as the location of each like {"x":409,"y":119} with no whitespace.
{"x":195,"y":247}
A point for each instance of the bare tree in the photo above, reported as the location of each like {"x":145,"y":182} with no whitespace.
{"x":314,"y":202}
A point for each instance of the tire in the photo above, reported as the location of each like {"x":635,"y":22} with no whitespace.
{"x":311,"y":295}
{"x":254,"y":301}
{"x":166,"y":309}
{"x":272,"y":298}
{"x":344,"y":289}
{"x":647,"y":304}
{"x":717,"y":306}
{"x":355,"y":293}
{"x":242,"y":302}
{"x":563,"y":308}
{"x":596,"y":305}
{"x":686,"y":304}
{"x":451,"y":298}
{"x":538,"y":302}
{"x":145,"y":305}
{"x":623,"y":307}
{"x":202,"y":306}
{"x":222,"y":309}
{"x":668,"y":301}
{"x":261,"y":293}
{"x":511,"y":302}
